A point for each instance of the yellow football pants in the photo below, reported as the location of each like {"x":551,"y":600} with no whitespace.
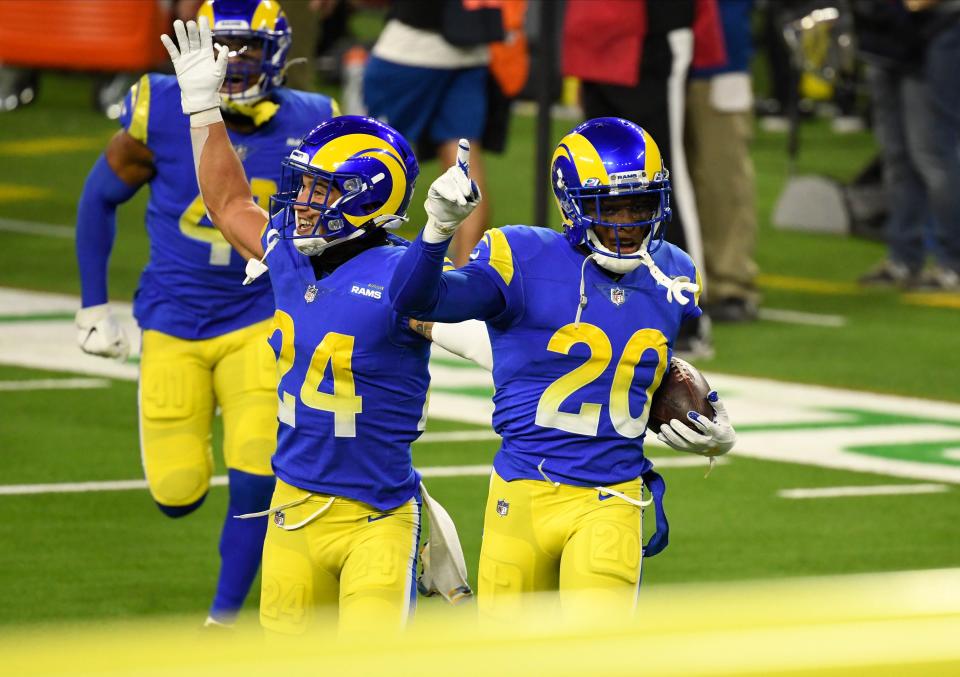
{"x":578,"y":540}
{"x":181,"y":382}
{"x":347,"y":554}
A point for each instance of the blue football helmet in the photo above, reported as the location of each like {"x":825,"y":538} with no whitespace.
{"x":247,"y":27}
{"x":365,"y":171}
{"x":608,"y":159}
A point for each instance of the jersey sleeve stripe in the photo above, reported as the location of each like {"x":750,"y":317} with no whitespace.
{"x":141,"y":110}
{"x":696,"y":296}
{"x":501,"y":256}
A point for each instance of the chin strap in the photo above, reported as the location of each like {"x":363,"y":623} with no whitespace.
{"x":582,"y":303}
{"x":299,"y":61}
{"x":256,"y":268}
{"x":675,"y":285}
{"x":390,"y":221}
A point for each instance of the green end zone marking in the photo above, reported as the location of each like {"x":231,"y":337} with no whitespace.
{"x":855,"y":418}
{"x":922,"y":452}
{"x":37,"y":317}
{"x":937,"y":453}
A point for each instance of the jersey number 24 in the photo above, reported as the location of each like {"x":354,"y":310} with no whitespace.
{"x":337,"y":351}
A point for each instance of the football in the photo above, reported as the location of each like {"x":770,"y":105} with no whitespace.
{"x":683,"y":389}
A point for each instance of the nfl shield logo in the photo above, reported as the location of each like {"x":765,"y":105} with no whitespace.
{"x":278,"y":518}
{"x":502,"y":507}
{"x":310,"y":294}
{"x":618,"y":296}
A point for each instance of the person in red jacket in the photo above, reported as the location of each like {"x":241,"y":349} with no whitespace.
{"x":632,"y":57}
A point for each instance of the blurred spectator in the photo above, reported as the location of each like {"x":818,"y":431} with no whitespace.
{"x":718,"y":133}
{"x":632,"y":58}
{"x":427,"y":77}
{"x":781,"y":82}
{"x":509,"y":70}
{"x":912,"y":52}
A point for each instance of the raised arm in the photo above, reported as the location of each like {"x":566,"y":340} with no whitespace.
{"x":220,"y":176}
{"x":419,"y":286}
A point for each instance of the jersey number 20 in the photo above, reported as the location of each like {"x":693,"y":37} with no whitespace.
{"x":587,"y":419}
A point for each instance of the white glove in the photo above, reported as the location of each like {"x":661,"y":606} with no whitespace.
{"x":718,"y":435}
{"x":99,"y":333}
{"x":450,"y":198}
{"x":199,"y":74}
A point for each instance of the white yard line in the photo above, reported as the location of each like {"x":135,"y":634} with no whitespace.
{"x":817,"y":434}
{"x":222,"y":480}
{"x":55,"y":384}
{"x":456,"y":471}
{"x":71,"y":487}
{"x":37,"y":228}
{"x":798,"y":317}
{"x":875,"y":490}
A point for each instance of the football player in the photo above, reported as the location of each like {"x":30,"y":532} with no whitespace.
{"x":353,"y":377}
{"x":204,"y":335}
{"x":582,"y":325}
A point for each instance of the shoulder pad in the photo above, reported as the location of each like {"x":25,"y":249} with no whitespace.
{"x":526,"y":242}
{"x":149,"y":99}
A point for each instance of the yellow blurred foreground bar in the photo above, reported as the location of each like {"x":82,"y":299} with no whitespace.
{"x":904,"y":623}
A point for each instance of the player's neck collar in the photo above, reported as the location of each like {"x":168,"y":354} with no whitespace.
{"x":584,"y":251}
{"x":245,"y":115}
{"x":334,"y":257}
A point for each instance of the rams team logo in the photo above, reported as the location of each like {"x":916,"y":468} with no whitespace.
{"x":502,"y":507}
{"x":618,"y":296}
{"x":370,"y":291}
{"x":278,"y":518}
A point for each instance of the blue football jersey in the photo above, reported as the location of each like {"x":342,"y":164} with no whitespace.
{"x":352,"y":378}
{"x":571,"y":396}
{"x":191,"y":287}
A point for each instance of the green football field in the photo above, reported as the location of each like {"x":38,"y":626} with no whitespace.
{"x":100,"y":551}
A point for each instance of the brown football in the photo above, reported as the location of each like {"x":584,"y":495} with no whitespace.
{"x":683,"y":389}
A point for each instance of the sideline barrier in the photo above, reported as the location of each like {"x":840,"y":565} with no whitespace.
{"x":92,"y":35}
